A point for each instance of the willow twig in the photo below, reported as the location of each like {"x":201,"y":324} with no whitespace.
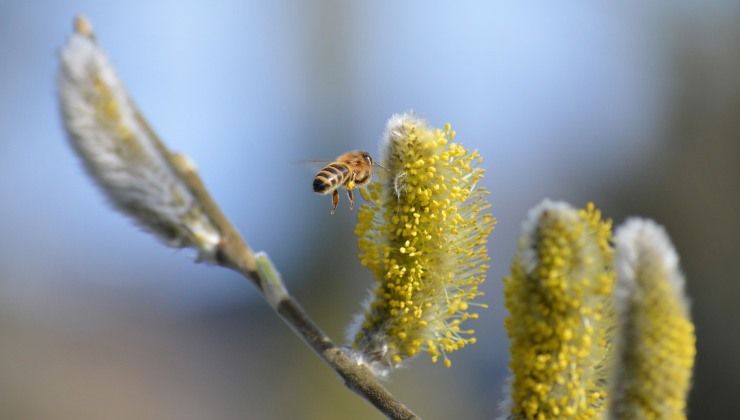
{"x":164,"y":194}
{"x":234,"y":253}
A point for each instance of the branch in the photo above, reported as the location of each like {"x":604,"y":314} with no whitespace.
{"x":234,"y":253}
{"x":164,"y":194}
{"x":356,"y":377}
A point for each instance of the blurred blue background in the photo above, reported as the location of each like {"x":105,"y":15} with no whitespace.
{"x":633,"y":106}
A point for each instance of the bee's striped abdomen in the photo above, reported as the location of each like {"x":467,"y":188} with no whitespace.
{"x":330,"y":177}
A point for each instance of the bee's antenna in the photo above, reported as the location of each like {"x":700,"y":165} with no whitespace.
{"x":380,"y":166}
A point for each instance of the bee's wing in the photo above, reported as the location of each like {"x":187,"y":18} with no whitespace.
{"x":312,"y":165}
{"x":314,"y":161}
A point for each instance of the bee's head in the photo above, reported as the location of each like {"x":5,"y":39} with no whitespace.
{"x":367,"y":157}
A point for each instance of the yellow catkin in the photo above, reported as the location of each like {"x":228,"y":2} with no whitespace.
{"x":422,"y":231}
{"x":560,"y":313}
{"x":656,"y":343}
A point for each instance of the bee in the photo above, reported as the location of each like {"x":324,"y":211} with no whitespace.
{"x":350,"y":170}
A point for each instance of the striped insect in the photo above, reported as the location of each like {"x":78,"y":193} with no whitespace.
{"x":350,"y":170}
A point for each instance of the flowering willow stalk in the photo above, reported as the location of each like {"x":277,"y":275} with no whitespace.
{"x":123,"y":155}
{"x":422,"y":231}
{"x":656,"y":342}
{"x":559,"y":300}
{"x":163,"y":193}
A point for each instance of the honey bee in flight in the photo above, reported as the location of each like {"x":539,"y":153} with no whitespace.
{"x":350,"y":170}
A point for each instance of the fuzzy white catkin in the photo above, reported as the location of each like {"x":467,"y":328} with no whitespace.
{"x":656,"y":341}
{"x":122,"y":153}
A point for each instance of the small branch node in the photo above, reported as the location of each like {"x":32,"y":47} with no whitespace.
{"x":270,"y":281}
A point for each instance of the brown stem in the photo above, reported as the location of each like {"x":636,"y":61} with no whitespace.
{"x":234,"y":253}
{"x":356,"y":377}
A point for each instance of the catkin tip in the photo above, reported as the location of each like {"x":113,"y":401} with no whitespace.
{"x":83,"y":26}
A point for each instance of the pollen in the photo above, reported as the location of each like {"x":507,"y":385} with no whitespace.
{"x":422,"y":232}
{"x":559,"y":300}
{"x":657,"y":342}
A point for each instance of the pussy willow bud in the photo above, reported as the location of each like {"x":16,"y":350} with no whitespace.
{"x":121,"y":152}
{"x":560,"y":313}
{"x":656,"y":345}
{"x":422,"y":231}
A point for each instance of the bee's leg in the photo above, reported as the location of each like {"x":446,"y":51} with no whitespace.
{"x":334,"y":200}
{"x":350,"y":185}
{"x":351,"y":198}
